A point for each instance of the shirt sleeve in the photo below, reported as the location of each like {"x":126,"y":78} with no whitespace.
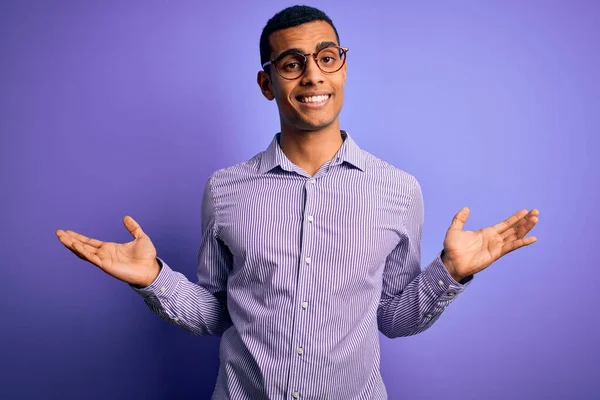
{"x":411,"y":299}
{"x":199,"y":308}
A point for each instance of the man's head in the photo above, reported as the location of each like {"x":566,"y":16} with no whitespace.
{"x":309,"y":92}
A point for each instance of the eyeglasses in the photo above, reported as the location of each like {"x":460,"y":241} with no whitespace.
{"x":292,"y":64}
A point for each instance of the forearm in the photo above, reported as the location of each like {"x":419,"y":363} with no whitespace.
{"x":420,"y":303}
{"x":177,"y":300}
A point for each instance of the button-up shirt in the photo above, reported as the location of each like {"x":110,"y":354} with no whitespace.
{"x":298,"y":273}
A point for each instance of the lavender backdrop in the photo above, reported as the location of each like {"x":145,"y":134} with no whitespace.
{"x":112,"y":107}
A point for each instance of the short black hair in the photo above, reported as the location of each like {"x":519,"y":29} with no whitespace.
{"x":288,"y":18}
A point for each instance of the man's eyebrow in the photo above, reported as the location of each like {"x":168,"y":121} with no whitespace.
{"x":320,"y":46}
{"x":323,"y":45}
{"x":289,"y":51}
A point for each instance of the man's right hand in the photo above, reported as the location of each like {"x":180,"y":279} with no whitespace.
{"x":133,"y":262}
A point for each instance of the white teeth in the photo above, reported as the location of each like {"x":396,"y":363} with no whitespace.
{"x":314,"y":99}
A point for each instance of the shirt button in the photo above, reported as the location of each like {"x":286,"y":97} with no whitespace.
{"x":310,"y":218}
{"x":429,"y":315}
{"x":300,"y":350}
{"x":296,"y":395}
{"x":162,"y":289}
{"x":307,"y":260}
{"x":441,"y":283}
{"x":305,"y":305}
{"x":451,"y":293}
{"x":312,"y":181}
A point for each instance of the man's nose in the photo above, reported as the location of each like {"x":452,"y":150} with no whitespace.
{"x":312,"y":73}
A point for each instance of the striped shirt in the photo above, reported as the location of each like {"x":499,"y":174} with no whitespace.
{"x":298,"y":273}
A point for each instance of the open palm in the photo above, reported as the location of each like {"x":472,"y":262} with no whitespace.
{"x":469,"y":252}
{"x":132,"y":262}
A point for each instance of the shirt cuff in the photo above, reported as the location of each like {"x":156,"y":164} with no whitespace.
{"x":163,"y":286}
{"x":441,"y":282}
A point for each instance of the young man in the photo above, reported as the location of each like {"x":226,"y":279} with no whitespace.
{"x":309,"y":248}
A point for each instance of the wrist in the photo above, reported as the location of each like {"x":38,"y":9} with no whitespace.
{"x":450,"y":267}
{"x":155,"y":271}
{"x":152,"y":274}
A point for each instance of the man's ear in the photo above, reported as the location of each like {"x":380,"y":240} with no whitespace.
{"x":264,"y":82}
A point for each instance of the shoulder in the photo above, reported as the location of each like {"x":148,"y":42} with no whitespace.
{"x":390,"y":176}
{"x":236,"y":172}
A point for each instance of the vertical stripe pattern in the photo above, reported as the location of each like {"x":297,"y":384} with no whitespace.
{"x":299,"y":273}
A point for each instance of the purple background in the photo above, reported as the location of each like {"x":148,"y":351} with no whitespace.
{"x":110,"y":108}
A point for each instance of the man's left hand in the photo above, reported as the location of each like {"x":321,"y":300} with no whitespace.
{"x":469,"y":252}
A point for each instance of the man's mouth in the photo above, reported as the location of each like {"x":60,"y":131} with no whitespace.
{"x":313,"y":99}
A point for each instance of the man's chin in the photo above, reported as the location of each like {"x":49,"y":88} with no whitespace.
{"x":309,"y":123}
{"x":314,"y":125}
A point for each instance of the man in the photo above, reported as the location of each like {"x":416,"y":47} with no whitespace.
{"x":309,"y":248}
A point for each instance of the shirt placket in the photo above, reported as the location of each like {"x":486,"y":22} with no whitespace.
{"x":300,"y":349}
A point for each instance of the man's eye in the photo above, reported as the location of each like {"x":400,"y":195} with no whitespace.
{"x":292,"y":66}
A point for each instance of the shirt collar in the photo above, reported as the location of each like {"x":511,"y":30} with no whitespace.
{"x":274,"y":156}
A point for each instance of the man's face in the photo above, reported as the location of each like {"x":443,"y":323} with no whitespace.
{"x":291,"y":95}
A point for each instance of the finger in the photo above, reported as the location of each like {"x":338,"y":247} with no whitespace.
{"x":91,"y":257}
{"x":70,"y":242}
{"x":510,"y":237}
{"x":458,"y":222}
{"x":67,"y":241}
{"x":84,"y":239}
{"x":521,"y":228}
{"x":501,"y":227}
{"x":527,"y":226}
{"x":512,"y":231}
{"x":133,"y":227}
{"x":516,"y":244}
{"x":76,"y":253}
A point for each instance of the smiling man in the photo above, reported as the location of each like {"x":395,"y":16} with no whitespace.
{"x":310,"y":248}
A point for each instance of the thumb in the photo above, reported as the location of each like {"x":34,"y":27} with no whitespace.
{"x":458,"y":222}
{"x":133,"y":227}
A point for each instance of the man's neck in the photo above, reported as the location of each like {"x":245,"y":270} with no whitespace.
{"x":309,"y":150}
